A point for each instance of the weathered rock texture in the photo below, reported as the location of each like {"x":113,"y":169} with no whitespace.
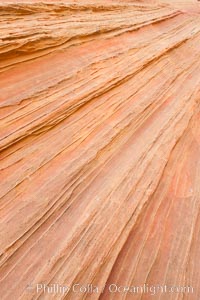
{"x":100,"y":146}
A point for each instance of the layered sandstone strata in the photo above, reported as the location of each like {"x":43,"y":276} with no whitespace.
{"x":100,"y":147}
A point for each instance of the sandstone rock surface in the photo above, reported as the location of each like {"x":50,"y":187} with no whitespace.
{"x":100,"y":147}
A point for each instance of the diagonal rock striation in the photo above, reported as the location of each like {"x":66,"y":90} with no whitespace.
{"x":100,"y":147}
